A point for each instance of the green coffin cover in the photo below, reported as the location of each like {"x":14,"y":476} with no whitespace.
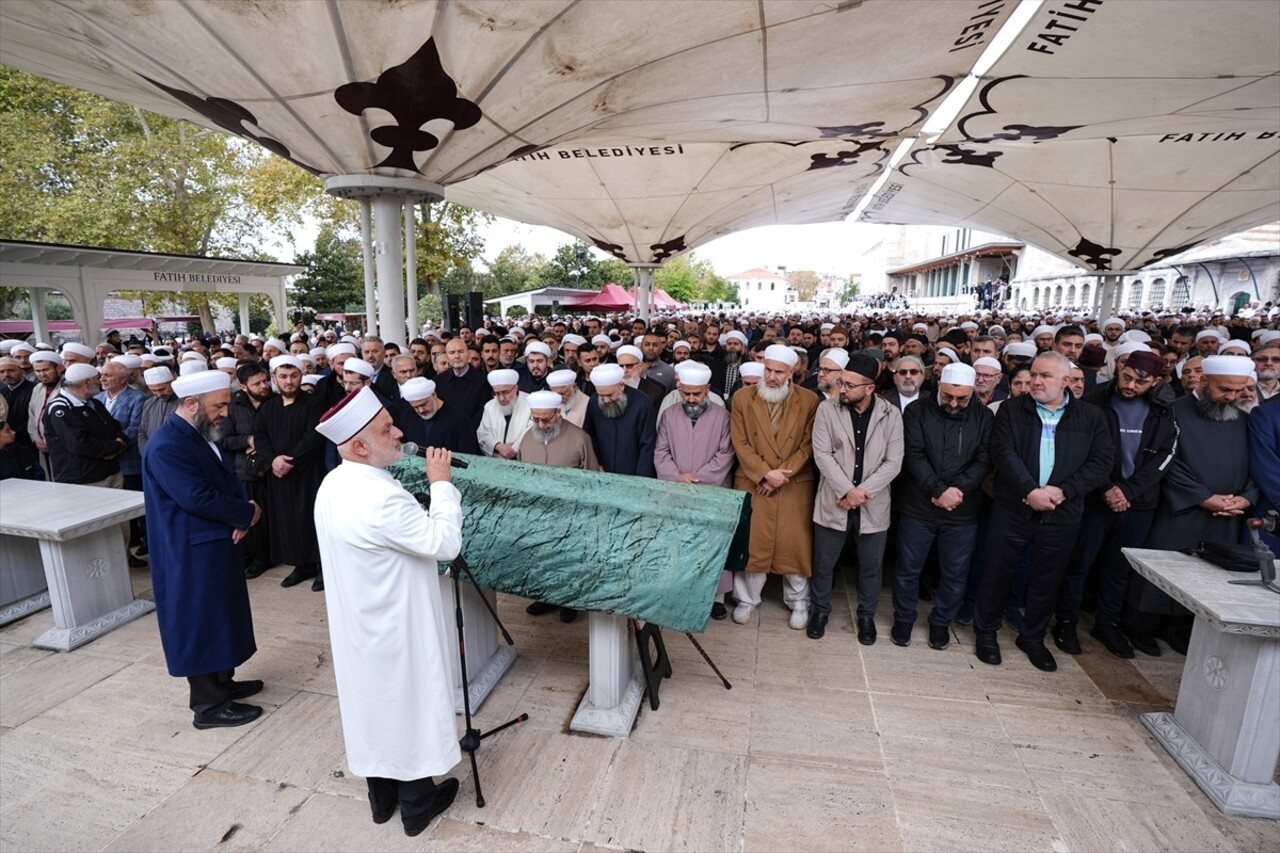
{"x":634,"y":546}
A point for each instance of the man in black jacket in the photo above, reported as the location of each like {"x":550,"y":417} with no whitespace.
{"x":1049,"y":451}
{"x":1118,"y":513}
{"x":237,"y":438}
{"x":945,"y":460}
{"x":85,"y":442}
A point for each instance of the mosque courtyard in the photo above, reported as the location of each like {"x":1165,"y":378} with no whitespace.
{"x":824,"y":745}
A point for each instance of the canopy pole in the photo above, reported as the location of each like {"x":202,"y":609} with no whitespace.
{"x":411,"y":266}
{"x":389,"y":254}
{"x":244,"y":314}
{"x":39,"y":314}
{"x":642,"y":287}
{"x":366,"y":247}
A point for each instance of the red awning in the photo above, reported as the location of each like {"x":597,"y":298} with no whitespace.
{"x":612,"y":298}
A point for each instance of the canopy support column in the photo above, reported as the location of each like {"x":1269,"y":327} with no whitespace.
{"x":366,"y":253}
{"x":643,"y":288}
{"x":39,"y":314}
{"x":1107,"y":288}
{"x":244,"y":313}
{"x":388,"y":198}
{"x":411,"y":267}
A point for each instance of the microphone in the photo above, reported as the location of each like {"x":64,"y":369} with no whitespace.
{"x":410,"y":449}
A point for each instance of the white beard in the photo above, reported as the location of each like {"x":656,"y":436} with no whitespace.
{"x":773,"y":395}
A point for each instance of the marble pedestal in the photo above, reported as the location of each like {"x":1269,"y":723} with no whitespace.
{"x":1225,"y":728}
{"x":487,"y":658}
{"x":82,"y":551}
{"x":616,"y":684}
{"x":23,"y":589}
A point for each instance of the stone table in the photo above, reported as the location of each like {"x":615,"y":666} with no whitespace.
{"x":1225,"y":728}
{"x":82,"y":550}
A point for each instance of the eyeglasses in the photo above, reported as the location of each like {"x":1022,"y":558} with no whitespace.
{"x":910,"y":372}
{"x":849,"y":386}
{"x":828,"y":370}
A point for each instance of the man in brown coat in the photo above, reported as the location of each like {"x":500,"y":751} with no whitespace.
{"x":771,"y":427}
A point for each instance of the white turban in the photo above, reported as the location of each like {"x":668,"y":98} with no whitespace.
{"x":157,"y":375}
{"x":27,"y":348}
{"x":505,"y":376}
{"x":189,"y":367}
{"x":351,"y":365}
{"x":192,"y":355}
{"x":681,"y":345}
{"x":571,"y":338}
{"x":544,"y":400}
{"x":77,"y":349}
{"x":751,"y":368}
{"x":1135,"y":335}
{"x":417,"y":388}
{"x":1130,"y":347}
{"x":316,"y":352}
{"x":1025,"y":349}
{"x":132,"y":362}
{"x":201,"y":382}
{"x":600,"y":339}
{"x":225,"y":363}
{"x":538,"y":347}
{"x":1113,"y":321}
{"x":561,"y":378}
{"x":1234,"y":346}
{"x":45,"y":355}
{"x":959,"y":373}
{"x":284,"y":361}
{"x":277,"y":343}
{"x":695,"y":374}
{"x":784,"y":354}
{"x":340,"y":349}
{"x":735,"y":335}
{"x":634,"y":352}
{"x":985,"y":361}
{"x":606,"y":375}
{"x":311,"y":378}
{"x":1228,"y":365}
{"x":1208,"y":333}
{"x":838,"y":357}
{"x":1042,"y":330}
{"x":1265,"y":338}
{"x":78,"y":373}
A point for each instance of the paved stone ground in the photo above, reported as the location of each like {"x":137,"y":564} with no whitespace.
{"x":819,"y":746}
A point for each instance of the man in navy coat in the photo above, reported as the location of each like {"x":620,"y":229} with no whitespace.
{"x":197,"y":514}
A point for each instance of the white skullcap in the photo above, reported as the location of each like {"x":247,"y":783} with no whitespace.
{"x":1208,"y":333}
{"x":544,"y":400}
{"x":1228,"y":365}
{"x":201,"y":382}
{"x":1265,"y":338}
{"x":285,"y":360}
{"x":157,"y":375}
{"x":923,"y":327}
{"x":45,"y":355}
{"x":350,"y":339}
{"x":7,"y":345}
{"x":735,"y":335}
{"x":997,"y":331}
{"x":600,"y":339}
{"x":722,"y":340}
{"x":838,"y":357}
{"x":751,"y":368}
{"x":311,"y":378}
{"x":1234,"y":346}
{"x":316,"y":352}
{"x":561,"y":378}
{"x":574,"y":339}
{"x":132,"y":362}
{"x":959,"y":373}
{"x":1130,"y":347}
{"x":633,"y":351}
{"x":1025,"y":349}
{"x":191,"y":355}
{"x":351,"y":365}
{"x":225,"y":362}
{"x":1256,"y":333}
{"x":1042,"y":330}
{"x":340,"y":349}
{"x":614,"y":344}
{"x":516,"y":330}
{"x":77,"y":349}
{"x":189,"y":367}
{"x":78,"y":373}
{"x":502,"y":377}
{"x":681,"y":345}
{"x":986,"y":361}
{"x":826,"y":327}
{"x":537,"y":347}
{"x":302,"y":357}
{"x":784,"y":354}
{"x":1112,"y":321}
{"x":352,"y":414}
{"x":277,"y":343}
{"x":21,"y":348}
{"x":693,"y":373}
{"x":417,"y":388}
{"x":1093,"y":338}
{"x":968,"y":324}
{"x":1135,"y":335}
{"x":606,"y":375}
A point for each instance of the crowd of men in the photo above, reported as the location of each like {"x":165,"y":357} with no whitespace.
{"x":993,"y":464}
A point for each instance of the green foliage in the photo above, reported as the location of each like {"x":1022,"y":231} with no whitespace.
{"x":334,"y":281}
{"x":685,"y":278}
{"x":850,"y":292}
{"x":575,"y":265}
{"x":430,"y":309}
{"x":515,"y":270}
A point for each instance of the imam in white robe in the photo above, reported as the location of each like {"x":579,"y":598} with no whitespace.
{"x":387,"y":626}
{"x":495,"y":429}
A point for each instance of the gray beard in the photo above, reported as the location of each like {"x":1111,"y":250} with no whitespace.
{"x":695,"y":410}
{"x":208,"y":430}
{"x":1217,"y":412}
{"x":506,"y":410}
{"x":633,"y":382}
{"x":773,"y":395}
{"x":616,"y":409}
{"x":546,"y":436}
{"x":732,"y":356}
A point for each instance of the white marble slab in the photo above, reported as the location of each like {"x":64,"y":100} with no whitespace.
{"x":1205,"y":590}
{"x":60,"y":511}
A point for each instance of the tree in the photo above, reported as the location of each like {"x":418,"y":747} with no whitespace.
{"x":576,"y":265}
{"x":850,"y":292}
{"x":686,"y":278}
{"x":334,"y":281}
{"x":514,"y":270}
{"x":805,"y":282}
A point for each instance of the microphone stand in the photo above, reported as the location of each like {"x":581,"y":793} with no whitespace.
{"x":470,"y":741}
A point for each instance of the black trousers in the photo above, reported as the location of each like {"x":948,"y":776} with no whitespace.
{"x":210,"y":692}
{"x":257,"y":542}
{"x":137,"y":526}
{"x":415,"y":797}
{"x":1008,"y":536}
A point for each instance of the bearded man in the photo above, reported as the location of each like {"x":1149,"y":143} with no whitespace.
{"x":537,"y":363}
{"x":1206,"y":494}
{"x":48,"y":370}
{"x":908,"y":382}
{"x":505,"y":417}
{"x":772,"y":427}
{"x":621,"y":423}
{"x":428,"y":422}
{"x":237,"y":439}
{"x":827,"y":380}
{"x":573,"y":403}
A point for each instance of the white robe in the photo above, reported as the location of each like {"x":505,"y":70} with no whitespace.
{"x":495,"y":430}
{"x":387,"y":627}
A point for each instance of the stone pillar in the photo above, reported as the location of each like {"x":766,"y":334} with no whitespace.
{"x":487,"y":659}
{"x":616,"y":686}
{"x":244,"y":313}
{"x":411,"y":269}
{"x":40,"y":317}
{"x":366,"y":253}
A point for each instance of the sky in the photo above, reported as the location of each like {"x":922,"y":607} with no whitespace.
{"x":833,"y":248}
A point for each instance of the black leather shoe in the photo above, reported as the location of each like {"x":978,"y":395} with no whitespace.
{"x":1040,"y":656}
{"x":1066,"y":638}
{"x":445,"y":792}
{"x":1177,"y":639}
{"x":383,"y":817}
{"x":719,"y":611}
{"x":568,"y":614}
{"x":234,"y":714}
{"x":253,"y":570}
{"x":142,"y":550}
{"x":317,"y":585}
{"x":1142,"y":641}
{"x":866,"y":630}
{"x":538,"y":608}
{"x":1111,"y":636}
{"x":900,"y":633}
{"x":298,"y":575}
{"x":136,"y":562}
{"x":244,"y":689}
{"x":987,"y":648}
{"x":817,"y":627}
{"x":939,"y":637}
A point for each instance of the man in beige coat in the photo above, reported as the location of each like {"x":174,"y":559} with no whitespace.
{"x":857,"y":446}
{"x":771,"y":427}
